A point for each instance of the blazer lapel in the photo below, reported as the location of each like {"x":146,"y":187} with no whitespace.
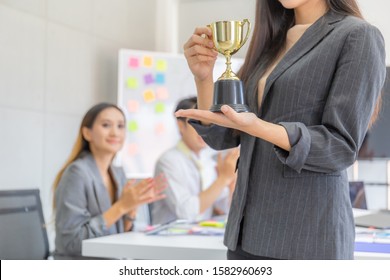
{"x":118,"y":191}
{"x":100,"y":190}
{"x":313,"y":35}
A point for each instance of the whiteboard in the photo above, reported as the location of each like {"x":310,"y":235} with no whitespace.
{"x":149,"y":86}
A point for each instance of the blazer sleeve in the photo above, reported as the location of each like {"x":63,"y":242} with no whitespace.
{"x":74,"y":222}
{"x":217,"y":137}
{"x":358,"y":80}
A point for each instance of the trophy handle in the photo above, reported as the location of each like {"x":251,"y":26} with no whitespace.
{"x":246,"y":21}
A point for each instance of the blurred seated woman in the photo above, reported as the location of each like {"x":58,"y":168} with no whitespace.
{"x":92,"y":197}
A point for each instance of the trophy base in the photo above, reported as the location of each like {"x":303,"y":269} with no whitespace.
{"x":239,"y":108}
{"x":229,"y":92}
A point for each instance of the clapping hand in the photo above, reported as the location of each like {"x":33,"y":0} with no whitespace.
{"x":142,"y":192}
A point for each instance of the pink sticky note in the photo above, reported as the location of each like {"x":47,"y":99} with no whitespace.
{"x":159,"y":128}
{"x":133,"y":106}
{"x":162,"y":93}
{"x":133,"y":62}
{"x":132,"y":149}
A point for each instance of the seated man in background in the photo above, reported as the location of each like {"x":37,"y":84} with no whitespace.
{"x":190,"y":194}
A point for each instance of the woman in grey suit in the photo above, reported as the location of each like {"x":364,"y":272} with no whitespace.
{"x":92,"y":197}
{"x":313,"y":75}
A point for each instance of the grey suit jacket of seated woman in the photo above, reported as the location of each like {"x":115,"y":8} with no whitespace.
{"x":295,"y":205}
{"x":81,"y":199}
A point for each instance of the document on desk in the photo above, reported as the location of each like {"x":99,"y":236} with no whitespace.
{"x":372,"y":240}
{"x":181,"y":227}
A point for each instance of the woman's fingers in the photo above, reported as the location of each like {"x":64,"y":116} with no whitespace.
{"x":230,"y":113}
{"x":205,"y":116}
{"x":201,"y":36}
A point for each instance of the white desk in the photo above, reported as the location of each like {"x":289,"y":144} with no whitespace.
{"x":136,"y":245}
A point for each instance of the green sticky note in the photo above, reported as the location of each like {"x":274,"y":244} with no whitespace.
{"x":159,"y":108}
{"x":132,"y":126}
{"x":161,"y":65}
{"x":132,"y":83}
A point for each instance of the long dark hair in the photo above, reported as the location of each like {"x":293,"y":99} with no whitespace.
{"x":272,"y":22}
{"x":81,"y":143}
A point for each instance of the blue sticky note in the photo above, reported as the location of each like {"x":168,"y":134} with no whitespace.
{"x":160,"y":78}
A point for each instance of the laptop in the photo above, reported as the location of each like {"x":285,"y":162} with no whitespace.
{"x":379,"y":219}
{"x":357,"y":194}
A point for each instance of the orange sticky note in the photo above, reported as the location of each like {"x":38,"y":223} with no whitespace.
{"x":148,"y":61}
{"x":149,"y":96}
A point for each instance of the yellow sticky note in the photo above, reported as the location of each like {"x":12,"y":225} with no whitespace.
{"x":212,"y":224}
{"x":132,"y":83}
{"x":149,"y":96}
{"x":132,"y":126}
{"x":161,"y":65}
{"x":148,"y":61}
{"x":159,"y":107}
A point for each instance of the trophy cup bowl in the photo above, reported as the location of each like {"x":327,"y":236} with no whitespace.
{"x":228,"y":38}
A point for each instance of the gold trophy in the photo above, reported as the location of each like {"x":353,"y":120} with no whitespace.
{"x":228,"y":38}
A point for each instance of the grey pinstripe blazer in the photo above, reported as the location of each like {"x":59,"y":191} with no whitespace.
{"x":296,"y":204}
{"x":81,"y":198}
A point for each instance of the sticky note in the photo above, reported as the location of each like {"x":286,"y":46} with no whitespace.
{"x":162,"y":93}
{"x":133,"y":62}
{"x":132,"y":83}
{"x":132,"y":149}
{"x":212,"y":224}
{"x":148,"y":61}
{"x":148,"y":79}
{"x":132,"y":126}
{"x":161,"y":65}
{"x":159,"y":107}
{"x":160,"y":78}
{"x":132,"y":106}
{"x":149,"y":96}
{"x":159,"y":128}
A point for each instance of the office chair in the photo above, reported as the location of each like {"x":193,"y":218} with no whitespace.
{"x":23,"y":233}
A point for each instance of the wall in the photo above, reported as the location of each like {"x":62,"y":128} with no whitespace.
{"x":57,"y":58}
